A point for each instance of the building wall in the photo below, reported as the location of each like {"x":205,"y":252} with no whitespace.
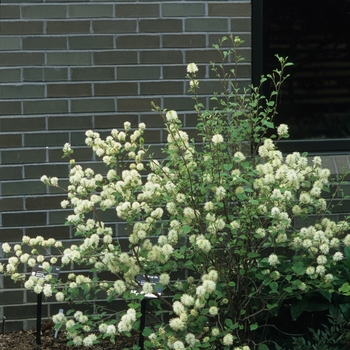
{"x":69,"y":66}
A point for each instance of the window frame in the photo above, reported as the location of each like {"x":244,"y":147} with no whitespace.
{"x":312,"y":146}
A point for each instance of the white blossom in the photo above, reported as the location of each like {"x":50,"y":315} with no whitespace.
{"x":192,"y":68}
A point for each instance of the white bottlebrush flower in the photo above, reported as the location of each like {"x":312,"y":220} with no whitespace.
{"x":320,"y":270}
{"x":194,"y":83}
{"x":310,"y":270}
{"x":192,"y":68}
{"x":171,"y":116}
{"x":227,"y":340}
{"x":59,"y":296}
{"x":273,"y":260}
{"x":164,"y":279}
{"x":111,"y":329}
{"x":282,"y":130}
{"x":89,"y":340}
{"x":321,"y":260}
{"x":220,"y":193}
{"x":6,"y":248}
{"x":338,"y":256}
{"x":240,"y":156}
{"x":328,"y":278}
{"x":176,"y":324}
{"x":213,"y":310}
{"x":217,"y":138}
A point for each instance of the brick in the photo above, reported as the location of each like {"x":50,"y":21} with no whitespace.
{"x":21,"y":124}
{"x":23,"y":156}
{"x":44,"y":43}
{"x":10,"y":140}
{"x":114,"y":26}
{"x":9,"y":108}
{"x":57,"y":232}
{"x":69,"y":90}
{"x":45,"y":139}
{"x":90,"y":11}
{"x":161,"y":88}
{"x":183,"y":10}
{"x":22,"y":311}
{"x":161,"y":25}
{"x":11,"y":234}
{"x":9,"y":204}
{"x":12,"y":296}
{"x":243,"y":70}
{"x":69,"y":58}
{"x":138,"y":73}
{"x":22,"y":59}
{"x":179,"y":71}
{"x":206,"y":25}
{"x":22,"y":91}
{"x":22,"y":188}
{"x":202,"y":56}
{"x":179,"y":103}
{"x":115,"y":57}
{"x":241,"y":25}
{"x":187,"y":40}
{"x":45,"y":74}
{"x":136,"y":104}
{"x":136,"y":10}
{"x":92,"y":73}
{"x":115,"y":121}
{"x":75,"y":122}
{"x":160,"y":56}
{"x":229,"y":10}
{"x":10,"y":75}
{"x":43,"y":202}
{"x":11,"y":172}
{"x":68,"y":27}
{"x":153,"y":120}
{"x":11,"y":11}
{"x":37,"y":170}
{"x":47,"y":106}
{"x":83,"y":154}
{"x":91,"y":42}
{"x":44,"y":11}
{"x":58,"y":216}
{"x":21,"y":27}
{"x":93,"y":105}
{"x":214,"y":38}
{"x":115,"y":89}
{"x":137,"y":41}
{"x":10,"y":43}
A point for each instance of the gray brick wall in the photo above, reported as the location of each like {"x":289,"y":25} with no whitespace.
{"x":68,"y":66}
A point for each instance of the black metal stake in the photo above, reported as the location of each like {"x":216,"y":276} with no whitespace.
{"x":142,"y":322}
{"x":3,"y":325}
{"x":38,"y":318}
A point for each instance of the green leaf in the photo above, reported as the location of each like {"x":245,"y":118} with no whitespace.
{"x":274,"y":287}
{"x":326,"y":294}
{"x":347,"y":252}
{"x":263,"y":347}
{"x":298,"y":307}
{"x":229,"y":323}
{"x":253,"y":326}
{"x":228,"y":167}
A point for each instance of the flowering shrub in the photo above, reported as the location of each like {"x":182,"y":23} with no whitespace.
{"x":217,"y":212}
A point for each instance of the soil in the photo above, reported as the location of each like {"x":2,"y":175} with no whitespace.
{"x":26,"y":340}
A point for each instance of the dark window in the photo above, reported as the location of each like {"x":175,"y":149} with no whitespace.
{"x":315,"y":35}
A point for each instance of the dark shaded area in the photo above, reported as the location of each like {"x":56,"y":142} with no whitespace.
{"x":315,"y":35}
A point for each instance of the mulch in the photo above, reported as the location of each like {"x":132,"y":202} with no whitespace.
{"x":26,"y":340}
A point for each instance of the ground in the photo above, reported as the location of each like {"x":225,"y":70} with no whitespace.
{"x":26,"y":340}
